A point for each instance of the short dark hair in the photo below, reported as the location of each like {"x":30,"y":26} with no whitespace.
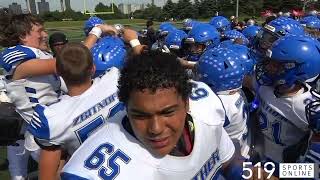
{"x":149,"y":23}
{"x":152,"y":71}
{"x":74,"y":63}
{"x":14,"y":27}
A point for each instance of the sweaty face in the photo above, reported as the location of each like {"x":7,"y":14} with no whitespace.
{"x":35,"y":37}
{"x":157,"y":119}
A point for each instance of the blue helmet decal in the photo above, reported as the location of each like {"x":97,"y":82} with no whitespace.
{"x":175,"y":39}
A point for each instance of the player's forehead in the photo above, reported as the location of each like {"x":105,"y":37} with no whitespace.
{"x":150,"y":101}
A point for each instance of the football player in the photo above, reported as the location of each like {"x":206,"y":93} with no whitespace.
{"x":283,"y":95}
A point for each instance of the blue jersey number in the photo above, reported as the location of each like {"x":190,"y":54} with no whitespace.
{"x":84,"y":132}
{"x":198,"y":93}
{"x":97,"y":158}
{"x":276,"y":128}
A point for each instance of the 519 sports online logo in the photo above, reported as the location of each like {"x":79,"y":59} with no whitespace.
{"x":285,"y":170}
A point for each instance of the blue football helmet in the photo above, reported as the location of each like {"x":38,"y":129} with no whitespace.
{"x":311,"y":22}
{"x":108,"y":52}
{"x":175,"y":39}
{"x":234,"y":34}
{"x":188,"y":25}
{"x":165,"y":28}
{"x":243,"y":54}
{"x":221,"y":69}
{"x":250,"y":33}
{"x":220,"y":23}
{"x":200,"y":38}
{"x":275,"y":29}
{"x":292,"y":58}
{"x":90,"y":23}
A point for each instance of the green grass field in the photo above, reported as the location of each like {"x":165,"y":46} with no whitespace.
{"x":74,"y":29}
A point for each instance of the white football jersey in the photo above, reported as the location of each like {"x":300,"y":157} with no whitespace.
{"x":27,"y":93}
{"x":113,"y":153}
{"x":236,"y":123}
{"x":3,"y":92}
{"x":72,"y":120}
{"x":282,"y":120}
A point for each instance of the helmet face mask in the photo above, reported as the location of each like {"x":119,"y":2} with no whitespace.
{"x":313,"y":110}
{"x":265,"y":40}
{"x":196,"y":48}
{"x":272,"y":72}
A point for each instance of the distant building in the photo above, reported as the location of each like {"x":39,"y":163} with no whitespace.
{"x":43,"y":7}
{"x":62,"y":6}
{"x":68,"y":5}
{"x":33,"y":7}
{"x":15,"y":8}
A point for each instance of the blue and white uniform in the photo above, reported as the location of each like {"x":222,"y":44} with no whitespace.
{"x":26,"y":94}
{"x":70,"y":121}
{"x":113,"y":153}
{"x":282,"y":121}
{"x":236,"y":123}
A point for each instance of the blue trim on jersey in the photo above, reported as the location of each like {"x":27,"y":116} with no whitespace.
{"x":30,"y":90}
{"x":313,"y":156}
{"x":33,"y":100}
{"x":16,"y":54}
{"x":39,"y":126}
{"x":114,"y":110}
{"x":226,"y":119}
{"x":68,"y":176}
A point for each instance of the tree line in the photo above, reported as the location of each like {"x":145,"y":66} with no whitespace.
{"x":190,"y":9}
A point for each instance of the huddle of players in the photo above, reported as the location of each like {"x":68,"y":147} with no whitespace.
{"x":274,"y":61}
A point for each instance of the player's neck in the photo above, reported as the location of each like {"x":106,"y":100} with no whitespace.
{"x":76,"y":90}
{"x":284,"y":90}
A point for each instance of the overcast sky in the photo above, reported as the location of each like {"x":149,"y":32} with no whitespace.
{"x":78,"y":4}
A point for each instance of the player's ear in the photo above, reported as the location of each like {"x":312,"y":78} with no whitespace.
{"x":93,"y":69}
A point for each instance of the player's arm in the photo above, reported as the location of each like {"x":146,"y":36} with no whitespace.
{"x":49,"y":163}
{"x":187,"y":64}
{"x":34,"y":67}
{"x":50,"y":151}
{"x":130,"y":36}
{"x":97,"y":32}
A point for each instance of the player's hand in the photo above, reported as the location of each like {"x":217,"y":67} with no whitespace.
{"x":129,"y":34}
{"x":263,"y":175}
{"x":186,"y":64}
{"x":140,"y":49}
{"x":107,"y":29}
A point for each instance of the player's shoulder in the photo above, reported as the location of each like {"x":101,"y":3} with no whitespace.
{"x":205,"y":105}
{"x":47,"y":117}
{"x":16,"y":54}
{"x":111,"y":75}
{"x":300,"y":101}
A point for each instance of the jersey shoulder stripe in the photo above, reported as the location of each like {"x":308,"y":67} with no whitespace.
{"x":39,"y":125}
{"x":14,"y":55}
